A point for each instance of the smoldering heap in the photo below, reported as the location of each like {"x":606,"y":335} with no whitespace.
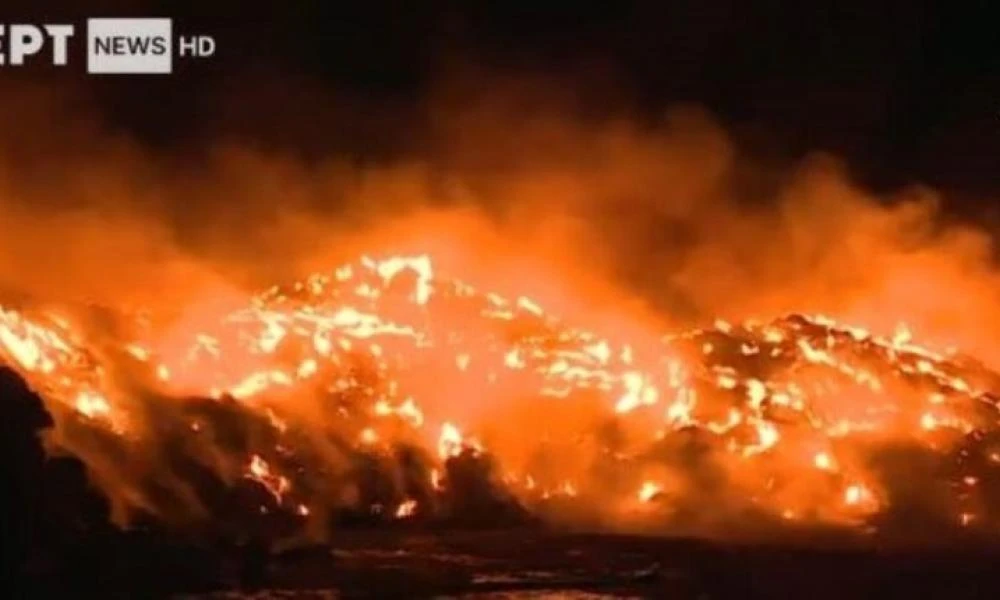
{"x":380,"y":393}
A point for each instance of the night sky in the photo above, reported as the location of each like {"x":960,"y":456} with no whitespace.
{"x":903,"y":91}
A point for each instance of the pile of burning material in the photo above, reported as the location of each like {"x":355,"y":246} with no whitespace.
{"x":381,"y":393}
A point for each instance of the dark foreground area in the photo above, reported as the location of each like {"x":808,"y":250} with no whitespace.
{"x":528,"y":564}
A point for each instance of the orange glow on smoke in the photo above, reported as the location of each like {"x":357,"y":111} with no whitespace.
{"x":790,"y":407}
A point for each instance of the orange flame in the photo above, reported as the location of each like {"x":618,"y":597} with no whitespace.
{"x":818,"y":393}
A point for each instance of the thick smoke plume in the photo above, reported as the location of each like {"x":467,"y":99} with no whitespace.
{"x":669,"y":212}
{"x":630,"y":227}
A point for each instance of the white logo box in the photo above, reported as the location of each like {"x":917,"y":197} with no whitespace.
{"x":129,"y":46}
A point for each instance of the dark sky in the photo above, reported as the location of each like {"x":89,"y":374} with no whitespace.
{"x":905,"y":91}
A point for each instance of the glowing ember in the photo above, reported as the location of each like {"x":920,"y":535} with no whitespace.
{"x":450,"y":442}
{"x":823,"y":461}
{"x":260,"y":471}
{"x":380,"y":354}
{"x":406,"y":509}
{"x":648,"y":491}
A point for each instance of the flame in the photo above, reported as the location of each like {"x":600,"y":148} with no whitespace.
{"x":649,"y":490}
{"x":450,"y":441}
{"x":392,"y":353}
{"x":406,"y":509}
{"x":260,"y":471}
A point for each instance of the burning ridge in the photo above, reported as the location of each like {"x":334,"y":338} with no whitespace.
{"x":381,"y":392}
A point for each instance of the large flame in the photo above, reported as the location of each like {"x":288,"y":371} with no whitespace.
{"x":786,"y":418}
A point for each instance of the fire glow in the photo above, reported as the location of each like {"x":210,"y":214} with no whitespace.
{"x":383,"y":353}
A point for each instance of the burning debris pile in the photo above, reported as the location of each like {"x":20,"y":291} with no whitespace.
{"x":380,"y":392}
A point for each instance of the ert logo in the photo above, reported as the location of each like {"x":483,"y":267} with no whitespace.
{"x":113,"y":45}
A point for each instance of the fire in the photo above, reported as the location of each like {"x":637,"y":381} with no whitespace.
{"x":823,"y":461}
{"x":406,"y":509}
{"x":44,"y":351}
{"x":649,"y":490}
{"x":450,"y":441}
{"x":861,"y":497}
{"x":383,"y":353}
{"x":260,"y":471}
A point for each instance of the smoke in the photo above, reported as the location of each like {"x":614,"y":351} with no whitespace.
{"x":630,"y":226}
{"x":668,"y":211}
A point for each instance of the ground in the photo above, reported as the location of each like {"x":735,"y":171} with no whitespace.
{"x":533,"y":563}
